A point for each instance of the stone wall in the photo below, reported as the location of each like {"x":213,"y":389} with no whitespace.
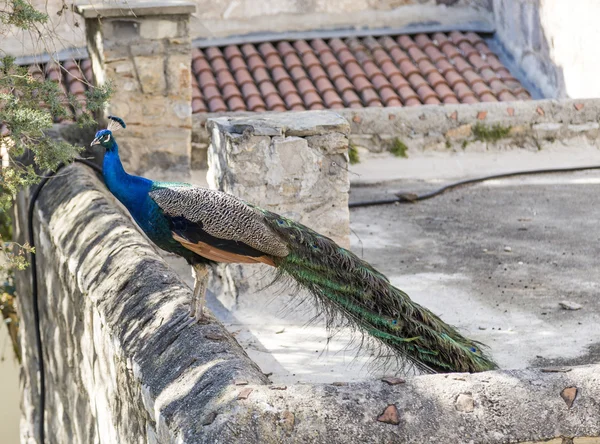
{"x":117,"y":372}
{"x":531,"y":125}
{"x":220,"y":18}
{"x":293,"y":164}
{"x":145,"y":53}
{"x":553,"y":42}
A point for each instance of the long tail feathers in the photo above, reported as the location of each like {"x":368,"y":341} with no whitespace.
{"x":343,"y":284}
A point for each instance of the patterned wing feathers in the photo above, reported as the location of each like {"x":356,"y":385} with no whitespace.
{"x":223,"y":216}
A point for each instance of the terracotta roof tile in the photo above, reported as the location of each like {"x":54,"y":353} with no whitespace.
{"x":285,"y":48}
{"x":361,"y":83}
{"x":445,"y":93}
{"x":200,"y":64}
{"x":298,"y":72}
{"x":312,"y":99}
{"x":481,"y":88}
{"x":450,"y":51}
{"x":267,"y":89}
{"x":207,"y":78}
{"x":219,"y":64}
{"x":237,"y":63}
{"x":506,"y":96}
{"x":231,"y":90}
{"x":488,"y":97}
{"x":405,"y":42}
{"x":317,"y":72}
{"x":274,"y":61}
{"x":275,"y":102}
{"x":302,"y":47}
{"x":423,"y":40}
{"x":323,"y":84}
{"x":433,"y":53}
{"x":217,"y":105}
{"x":332,"y":99}
{"x":243,"y":77}
{"x":389,"y":96}
{"x":389,"y":69}
{"x":267,"y":49}
{"x":405,"y":70}
{"x":213,"y":53}
{"x":380,"y":82}
{"x":255,"y":61}
{"x":279,"y":73}
{"x":211,"y":92}
{"x":232,"y":51}
{"x":461,"y":65}
{"x":236,"y":103}
{"x":370,"y":97}
{"x":343,"y":84}
{"x":261,"y":75}
{"x":286,"y":87}
{"x":293,"y":101}
{"x":398,"y":81}
{"x":351,"y":99}
{"x":256,"y":103}
{"x":305,"y":86}
{"x":319,"y":45}
{"x":225,"y":78}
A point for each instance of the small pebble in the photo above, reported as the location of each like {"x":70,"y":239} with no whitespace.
{"x":568,"y":305}
{"x":392,"y":380}
{"x":482,"y":328}
{"x":507,"y":249}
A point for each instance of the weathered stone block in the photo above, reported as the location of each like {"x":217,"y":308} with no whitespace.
{"x":155,"y":29}
{"x":151,"y":73}
{"x":178,"y":74}
{"x":294,"y":164}
{"x":149,"y":110}
{"x":162,"y":153}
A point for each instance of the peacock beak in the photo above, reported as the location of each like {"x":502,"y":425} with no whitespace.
{"x":96,"y":141}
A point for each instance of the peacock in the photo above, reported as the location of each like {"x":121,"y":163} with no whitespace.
{"x":206,"y":226}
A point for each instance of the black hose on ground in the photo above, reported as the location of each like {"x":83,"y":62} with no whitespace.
{"x":411,"y":198}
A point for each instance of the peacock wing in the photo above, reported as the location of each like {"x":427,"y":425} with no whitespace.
{"x":217,"y":225}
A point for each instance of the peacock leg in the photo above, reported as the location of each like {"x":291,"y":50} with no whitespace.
{"x":201,"y":273}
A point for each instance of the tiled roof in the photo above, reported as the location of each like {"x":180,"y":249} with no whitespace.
{"x":354,"y":72}
{"x":72,"y":76}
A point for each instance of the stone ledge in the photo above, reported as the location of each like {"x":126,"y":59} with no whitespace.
{"x":449,"y":127}
{"x":299,"y":124}
{"x":134,"y":9}
{"x":119,"y":374}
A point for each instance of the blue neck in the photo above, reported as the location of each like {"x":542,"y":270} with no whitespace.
{"x":132,"y":191}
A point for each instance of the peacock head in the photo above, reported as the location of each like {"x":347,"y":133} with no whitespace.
{"x":105,"y":137}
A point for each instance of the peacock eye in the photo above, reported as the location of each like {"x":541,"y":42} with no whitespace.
{"x":107,"y":138}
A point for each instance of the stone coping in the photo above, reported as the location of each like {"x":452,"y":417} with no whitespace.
{"x":300,"y":124}
{"x":194,"y":383}
{"x":442,"y":127}
{"x":134,"y":9}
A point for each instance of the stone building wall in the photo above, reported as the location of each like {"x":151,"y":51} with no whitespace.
{"x":554,"y":43}
{"x":220,"y":18}
{"x":146,"y":56}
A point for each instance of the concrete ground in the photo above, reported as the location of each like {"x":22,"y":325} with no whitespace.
{"x":494,"y":259}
